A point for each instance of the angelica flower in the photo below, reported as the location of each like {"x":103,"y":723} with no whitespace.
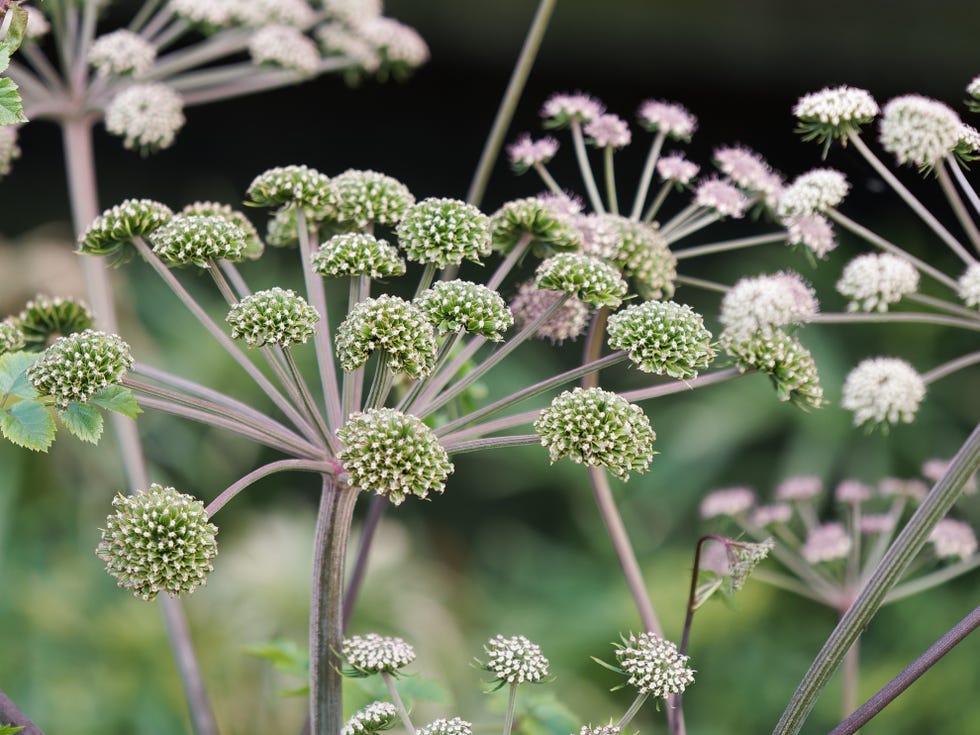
{"x":538,"y":217}
{"x":853,"y":492}
{"x":654,"y":665}
{"x":641,"y":252}
{"x":515,"y":660}
{"x":374,"y":654}
{"x":78,"y":366}
{"x":364,"y":198}
{"x":376,"y":717}
{"x":116,"y":228}
{"x":586,"y":278}
{"x":608,"y":131}
{"x":730,"y":501}
{"x":253,"y":246}
{"x":11,"y":336}
{"x":662,"y":337}
{"x":678,"y":169}
{"x":749,"y":172}
{"x":815,"y":191}
{"x":260,"y":13}
{"x":524,"y":153}
{"x":284,"y":46}
{"x":952,"y":538}
{"x":801,"y":487}
{"x":833,"y":113}
{"x":768,"y":515}
{"x":357,"y":254}
{"x":883,"y":390}
{"x":460,"y":306}
{"x":299,"y":185}
{"x":567,"y":322}
{"x":198,"y":240}
{"x":393,"y":325}
{"x":44,"y":318}
{"x":667,"y":117}
{"x":147,"y":116}
{"x":340,"y":39}
{"x":812,"y":231}
{"x":788,"y":363}
{"x":875,"y":280}
{"x":758,"y":304}
{"x":968,"y":285}
{"x":560,"y":110}
{"x":444,"y":232}
{"x":722,"y":197}
{"x":826,"y":543}
{"x":442,"y":726}
{"x":973,"y":89}
{"x":743,"y":558}
{"x":277,"y":316}
{"x":398,"y":44}
{"x":122,"y":52}
{"x":919,"y":130}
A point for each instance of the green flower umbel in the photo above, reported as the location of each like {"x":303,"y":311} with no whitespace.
{"x":366,"y":198}
{"x":644,"y":256}
{"x":374,"y":654}
{"x":444,"y":232}
{"x":376,"y":717}
{"x":197,"y":240}
{"x":537,"y":218}
{"x":300,"y":185}
{"x":45,"y":318}
{"x":253,"y":243}
{"x":75,"y":368}
{"x":654,"y":665}
{"x":599,"y":429}
{"x":394,"y":454}
{"x":662,"y":337}
{"x":787,"y":362}
{"x":357,"y":254}
{"x":515,"y":660}
{"x":461,"y":306}
{"x":392,"y":325}
{"x":277,"y":316}
{"x":115,"y":228}
{"x":157,"y":541}
{"x":589,"y":279}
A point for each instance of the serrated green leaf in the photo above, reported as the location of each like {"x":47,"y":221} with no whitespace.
{"x":10,"y":729}
{"x":119,"y":399}
{"x":28,"y":424}
{"x":13,"y":374}
{"x":83,"y":421}
{"x":11,"y":108}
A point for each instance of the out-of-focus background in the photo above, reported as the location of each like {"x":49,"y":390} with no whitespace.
{"x":514,"y":545}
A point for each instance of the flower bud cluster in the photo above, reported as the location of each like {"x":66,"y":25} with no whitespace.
{"x":515,"y":660}
{"x":654,"y":665}
{"x":390,"y":324}
{"x":662,"y":337}
{"x":78,"y":366}
{"x":460,"y":306}
{"x":275,"y":316}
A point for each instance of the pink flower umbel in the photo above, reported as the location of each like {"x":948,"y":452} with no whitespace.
{"x":526,"y":152}
{"x":669,"y":118}
{"x":608,"y":131}
{"x":560,"y":110}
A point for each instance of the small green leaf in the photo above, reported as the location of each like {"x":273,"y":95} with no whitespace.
{"x":11,"y":108}
{"x":28,"y":424}
{"x":546,"y":715}
{"x":119,"y":399}
{"x":82,"y":421}
{"x":16,"y":29}
{"x":10,"y":729}
{"x":13,"y":374}
{"x":284,"y":655}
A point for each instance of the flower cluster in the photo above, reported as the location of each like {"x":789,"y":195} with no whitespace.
{"x":357,"y":254}
{"x":44,"y":318}
{"x":78,"y":366}
{"x":122,"y":52}
{"x":874,"y":280}
{"x":115,"y":228}
{"x":834,"y":113}
{"x":669,"y":118}
{"x":444,"y":232}
{"x":662,"y":337}
{"x":536,"y":219}
{"x":568,"y":321}
{"x":299,"y":185}
{"x":364,"y":198}
{"x":275,"y":316}
{"x":284,"y":46}
{"x":760,"y":304}
{"x":253,"y":246}
{"x":390,"y":324}
{"x":788,"y":363}
{"x":883,"y":390}
{"x":525,"y":152}
{"x":515,"y":660}
{"x":375,"y":654}
{"x":376,"y":717}
{"x":588,"y":279}
{"x":197,"y":240}
{"x":442,"y":726}
{"x":147,"y":116}
{"x":642,"y":254}
{"x":11,"y":336}
{"x":814,"y":191}
{"x":461,"y":306}
{"x":654,"y":665}
{"x":919,"y":130}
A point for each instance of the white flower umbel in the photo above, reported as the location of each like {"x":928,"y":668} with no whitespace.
{"x":678,"y":169}
{"x":833,"y":112}
{"x":814,"y":191}
{"x":608,"y":131}
{"x":373,"y":653}
{"x":800,"y":487}
{"x":812,"y":231}
{"x":285,"y":46}
{"x":442,"y":726}
{"x":919,"y":130}
{"x":669,"y":118}
{"x":122,"y":52}
{"x":759,"y":303}
{"x":883,"y":390}
{"x":376,"y":717}
{"x":515,"y":660}
{"x":953,"y":539}
{"x":722,"y":197}
{"x":654,"y":665}
{"x":146,"y":116}
{"x":968,"y":285}
{"x":875,"y":280}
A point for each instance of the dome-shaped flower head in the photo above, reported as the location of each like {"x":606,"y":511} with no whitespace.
{"x":560,"y":110}
{"x":442,"y":726}
{"x":721,"y":196}
{"x":678,"y":169}
{"x":78,"y":366}
{"x":643,"y":255}
{"x":364,"y":198}
{"x":280,"y":231}
{"x":525,"y":152}
{"x":608,"y":131}
{"x":729,"y":501}
{"x":44,"y":318}
{"x":953,"y":539}
{"x":973,"y":89}
{"x":968,"y":285}
{"x":376,"y":717}
{"x":196,"y":240}
{"x":599,"y":429}
{"x":788,"y":364}
{"x":875,"y":280}
{"x":967,"y":148}
{"x":341,"y":39}
{"x":147,"y":116}
{"x":444,"y":232}
{"x":537,"y":218}
{"x":299,"y":185}
{"x":568,"y":322}
{"x":461,"y":306}
{"x":394,"y":454}
{"x":768,"y":515}
{"x":11,"y":336}
{"x":122,"y":52}
{"x":815,"y":191}
{"x":813,"y":231}
{"x":919,"y":130}
{"x":883,"y":390}
{"x":357,"y":254}
{"x":253,"y":243}
{"x":588,"y":279}
{"x":113,"y":231}
{"x":662,"y":337}
{"x":400,"y":47}
{"x":667,"y":117}
{"x":750,"y":172}
{"x":275,"y":316}
{"x":9,"y":150}
{"x":374,"y":654}
{"x":258,"y":13}
{"x":833,"y":113}
{"x":853,"y":492}
{"x":757,"y":304}
{"x":393,"y":325}
{"x":157,"y":541}
{"x":286,"y":47}
{"x":515,"y":660}
{"x":654,"y":665}
{"x":609,"y":729}
{"x":826,"y":543}
{"x":208,"y":17}
{"x":799,"y":488}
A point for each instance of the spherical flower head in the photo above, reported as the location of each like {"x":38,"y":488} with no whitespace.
{"x":919,"y":130}
{"x":376,"y":717}
{"x":158,"y":540}
{"x":599,"y":429}
{"x":967,"y":148}
{"x":342,"y":39}
{"x":397,"y":327}
{"x":669,"y":118}
{"x":788,"y":364}
{"x":208,"y":17}
{"x":364,"y":198}
{"x":853,"y":492}
{"x":678,"y":169}
{"x":953,"y":539}
{"x":9,"y":150}
{"x":444,"y":232}
{"x":567,"y":322}
{"x":196,"y":240}
{"x":515,"y":660}
{"x":525,"y":153}
{"x":442,"y":726}
{"x":654,"y":665}
{"x":588,"y":279}
{"x":828,"y":542}
{"x":914,"y":490}
{"x":78,"y":366}
{"x":113,"y":231}
{"x":662,"y":337}
{"x":460,"y":306}
{"x":875,"y":280}
{"x":760,"y":303}
{"x":768,"y":515}
{"x":750,"y":172}
{"x":973,"y":89}
{"x":968,"y":285}
{"x":122,"y":52}
{"x":800,"y":487}
{"x":147,"y":116}
{"x":275,"y":316}
{"x":608,"y":131}
{"x":642,"y":254}
{"x":539,"y":219}
{"x":253,"y":245}
{"x":882,"y":391}
{"x":834,"y":113}
{"x":730,"y":502}
{"x":813,"y":231}
{"x":813,"y":192}
{"x":298,"y":185}
{"x":44,"y":318}
{"x":561,"y":110}
{"x":357,"y":254}
{"x":258,"y":13}
{"x":400,"y":47}
{"x":286,"y":47}
{"x":11,"y":336}
{"x":393,"y":454}
{"x":722,"y":197}
{"x":376,"y":654}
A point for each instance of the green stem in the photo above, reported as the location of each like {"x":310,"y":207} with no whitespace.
{"x":970,"y":192}
{"x":307,"y":399}
{"x":942,"y":304}
{"x":657,"y":202}
{"x":376,"y":511}
{"x":702,"y":283}
{"x":283,"y":465}
{"x":505,"y":113}
{"x":647,"y":176}
{"x":948,"y":368}
{"x":511,"y":706}
{"x":389,"y":681}
{"x":610,"y":175}
{"x":493,"y":442}
{"x":628,"y":716}
{"x":548,"y":180}
{"x":578,"y":143}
